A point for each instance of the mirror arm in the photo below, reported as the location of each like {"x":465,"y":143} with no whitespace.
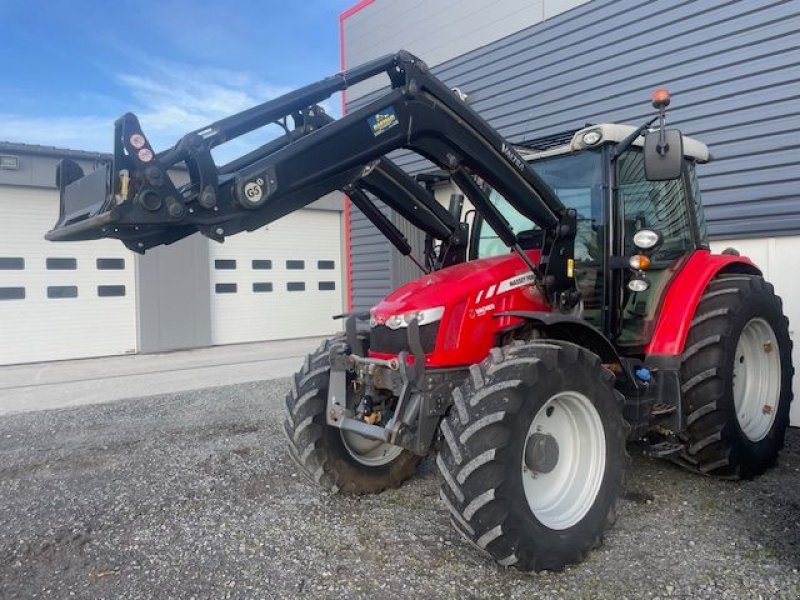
{"x":663,"y":146}
{"x":626,"y":143}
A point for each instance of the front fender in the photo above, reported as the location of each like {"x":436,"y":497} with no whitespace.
{"x":571,"y":329}
{"x":683,"y":295}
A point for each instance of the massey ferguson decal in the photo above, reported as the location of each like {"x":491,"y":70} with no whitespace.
{"x":507,"y":285}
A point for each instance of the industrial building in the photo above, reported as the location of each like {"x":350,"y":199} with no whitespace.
{"x":96,"y":298}
{"x":542,"y":67}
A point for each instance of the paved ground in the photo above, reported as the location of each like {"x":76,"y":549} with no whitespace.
{"x":192,"y":495}
{"x":48,"y":385}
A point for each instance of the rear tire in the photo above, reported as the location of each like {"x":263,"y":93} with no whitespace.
{"x":736,"y":378}
{"x":552,"y":514}
{"x":322,"y":452}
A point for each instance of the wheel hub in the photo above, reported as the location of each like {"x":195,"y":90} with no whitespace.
{"x":541,"y":453}
{"x":563,"y":460}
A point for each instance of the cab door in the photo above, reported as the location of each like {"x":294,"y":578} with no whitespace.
{"x":663,"y":206}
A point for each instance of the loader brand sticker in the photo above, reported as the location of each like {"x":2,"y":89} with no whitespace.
{"x":515,"y":159}
{"x":383,"y":121}
{"x":253,"y":192}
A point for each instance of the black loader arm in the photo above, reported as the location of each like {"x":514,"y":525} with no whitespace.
{"x":134,"y":199}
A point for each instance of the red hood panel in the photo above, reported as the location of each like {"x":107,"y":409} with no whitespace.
{"x":452,"y":285}
{"x":471,"y":293}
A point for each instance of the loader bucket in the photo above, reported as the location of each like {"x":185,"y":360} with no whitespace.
{"x":83,"y":207}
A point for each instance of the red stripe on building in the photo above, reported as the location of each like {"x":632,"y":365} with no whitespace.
{"x":348,"y":262}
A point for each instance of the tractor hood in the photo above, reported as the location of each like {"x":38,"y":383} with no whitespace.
{"x":457,"y":307}
{"x":460,"y":282}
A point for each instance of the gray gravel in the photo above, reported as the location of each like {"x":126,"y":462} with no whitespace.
{"x":192,"y":496}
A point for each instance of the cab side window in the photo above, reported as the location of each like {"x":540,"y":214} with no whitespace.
{"x":658,"y":205}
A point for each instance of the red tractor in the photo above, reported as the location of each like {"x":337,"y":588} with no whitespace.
{"x":576,"y":309}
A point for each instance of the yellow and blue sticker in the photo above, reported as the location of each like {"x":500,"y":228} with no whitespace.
{"x":383,"y":121}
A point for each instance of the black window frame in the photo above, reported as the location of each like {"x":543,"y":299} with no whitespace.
{"x":52,"y":294}
{"x":61,"y":263}
{"x":5,"y":261}
{"x":226,"y":288}
{"x":111,"y":291}
{"x":110,"y":264}
{"x":261,"y":264}
{"x":224,"y":264}
{"x":12,"y":292}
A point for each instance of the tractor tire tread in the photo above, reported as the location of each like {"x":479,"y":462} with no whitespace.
{"x":714,"y":444}
{"x":476,"y":434}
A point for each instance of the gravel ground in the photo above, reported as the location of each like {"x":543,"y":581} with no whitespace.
{"x":192,"y":495}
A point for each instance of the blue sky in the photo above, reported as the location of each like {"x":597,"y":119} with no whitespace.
{"x":72,"y":67}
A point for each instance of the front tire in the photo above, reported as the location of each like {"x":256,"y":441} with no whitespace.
{"x":337,"y":461}
{"x":736,"y":379}
{"x":534,"y":455}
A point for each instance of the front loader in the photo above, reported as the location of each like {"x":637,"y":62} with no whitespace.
{"x":578,"y":310}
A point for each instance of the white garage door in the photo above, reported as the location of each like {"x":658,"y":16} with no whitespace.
{"x":59,"y":300}
{"x":279,"y":282}
{"x":777,"y":259}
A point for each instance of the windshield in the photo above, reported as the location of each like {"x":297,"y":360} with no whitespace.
{"x":577,"y":180}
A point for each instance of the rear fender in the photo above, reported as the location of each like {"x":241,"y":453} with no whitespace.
{"x":683,"y":295}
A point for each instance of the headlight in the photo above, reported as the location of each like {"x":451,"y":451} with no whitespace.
{"x":424,"y":317}
{"x":645,"y":239}
{"x":638,"y":284}
{"x":590,"y":138}
{"x":395,"y":322}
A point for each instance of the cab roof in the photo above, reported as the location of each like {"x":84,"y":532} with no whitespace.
{"x":572,"y":141}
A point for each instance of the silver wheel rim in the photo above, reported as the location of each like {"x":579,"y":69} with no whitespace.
{"x":756,"y":379}
{"x":371,"y":453}
{"x":561,"y":497}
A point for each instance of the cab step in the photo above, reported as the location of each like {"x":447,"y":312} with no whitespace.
{"x":663,"y":449}
{"x":661,"y":409}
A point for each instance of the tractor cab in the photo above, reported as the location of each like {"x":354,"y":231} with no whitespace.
{"x":620,"y":283}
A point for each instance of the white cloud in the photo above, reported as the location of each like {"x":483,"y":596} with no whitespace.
{"x":170,"y":99}
{"x":82,"y":133}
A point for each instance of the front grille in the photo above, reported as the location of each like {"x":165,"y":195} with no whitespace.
{"x":394,"y":341}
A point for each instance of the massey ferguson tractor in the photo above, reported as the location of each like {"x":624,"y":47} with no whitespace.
{"x":575,"y":309}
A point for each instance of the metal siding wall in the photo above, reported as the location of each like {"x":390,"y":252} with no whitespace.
{"x":370,"y":261}
{"x":733,"y":68}
{"x":435,"y":30}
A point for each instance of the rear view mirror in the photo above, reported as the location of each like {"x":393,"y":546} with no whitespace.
{"x":663,"y":159}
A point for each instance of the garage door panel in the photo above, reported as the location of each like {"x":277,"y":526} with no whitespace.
{"x":79,"y":297}
{"x":278,"y":282}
